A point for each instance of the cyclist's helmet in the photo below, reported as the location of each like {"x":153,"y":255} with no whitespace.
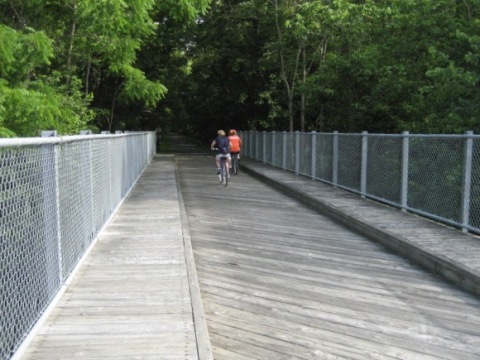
{"x":233,"y":132}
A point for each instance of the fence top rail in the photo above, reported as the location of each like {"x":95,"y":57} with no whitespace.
{"x":406,"y":134}
{"x":10,"y":142}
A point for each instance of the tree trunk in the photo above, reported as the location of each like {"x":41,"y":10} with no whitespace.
{"x":283,"y":71}
{"x":290,"y":112}
{"x":87,"y":78}
{"x":70,"y":46}
{"x":110,"y":120}
{"x":304,"y":81}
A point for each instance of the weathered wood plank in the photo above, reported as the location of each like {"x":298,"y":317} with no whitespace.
{"x":280,"y":281}
{"x":131,"y":297}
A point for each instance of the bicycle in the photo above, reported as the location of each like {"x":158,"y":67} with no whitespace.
{"x":235,"y":163}
{"x":223,"y":173}
{"x":223,"y":176}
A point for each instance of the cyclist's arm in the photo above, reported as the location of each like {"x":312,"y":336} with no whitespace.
{"x":213,"y":145}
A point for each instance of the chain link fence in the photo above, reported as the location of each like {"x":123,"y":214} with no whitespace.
{"x":56,"y":195}
{"x":436,"y":176}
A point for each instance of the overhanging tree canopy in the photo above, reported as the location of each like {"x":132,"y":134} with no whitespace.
{"x":200,"y":65}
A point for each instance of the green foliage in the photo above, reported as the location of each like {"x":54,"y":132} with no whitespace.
{"x":183,"y":10}
{"x":347,"y":65}
{"x":22,"y":53}
{"x":220,"y":51}
{"x":138,"y":87}
{"x":70,"y":64}
{"x":27,"y":111}
{"x":360,"y":65}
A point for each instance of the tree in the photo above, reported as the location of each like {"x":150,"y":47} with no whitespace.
{"x":224,"y":77}
{"x":83,"y":61}
{"x":31,"y":101}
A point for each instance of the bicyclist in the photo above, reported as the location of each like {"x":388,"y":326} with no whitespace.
{"x":236,"y":143}
{"x":221,"y":144}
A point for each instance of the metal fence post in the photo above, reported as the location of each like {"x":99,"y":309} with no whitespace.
{"x":253,"y":139}
{"x":467,"y":180}
{"x":48,"y":133}
{"x":92,"y":195}
{"x":284,"y":151}
{"x":257,"y":157}
{"x":264,"y":147}
{"x":335,"y":158}
{"x":405,"y":157}
{"x":297,"y":152}
{"x":314,"y":155}
{"x":246,"y":143}
{"x":364,"y":165}
{"x":110,"y":175}
{"x":242,"y":136}
{"x":246,"y":149}
{"x":273,"y":147}
{"x":55,"y":222}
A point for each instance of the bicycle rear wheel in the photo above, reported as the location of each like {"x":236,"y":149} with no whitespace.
{"x":223,"y":171}
{"x":235,"y":164}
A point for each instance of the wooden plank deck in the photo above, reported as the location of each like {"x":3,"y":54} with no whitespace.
{"x":278,"y":281}
{"x":131,"y":298}
{"x":281,"y":281}
{"x":440,"y":249}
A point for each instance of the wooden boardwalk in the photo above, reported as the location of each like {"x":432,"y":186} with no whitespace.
{"x":280,"y":281}
{"x":133,"y":297}
{"x":440,"y":249}
{"x":277,"y":281}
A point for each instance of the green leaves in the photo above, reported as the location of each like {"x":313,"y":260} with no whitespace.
{"x":22,"y":53}
{"x":60,"y":59}
{"x":184,"y":10}
{"x":347,"y":65}
{"x":27,"y":102}
{"x":138,"y":88}
{"x":323,"y":65}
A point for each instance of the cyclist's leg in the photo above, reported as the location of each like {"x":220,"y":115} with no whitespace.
{"x":229,"y":163}
{"x":217,"y":163}
{"x":225,"y":170}
{"x":233,"y":167}
{"x":221,"y":172}
{"x":235,"y":164}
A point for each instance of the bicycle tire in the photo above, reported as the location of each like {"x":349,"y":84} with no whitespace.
{"x":224,"y":171}
{"x":223,"y":176}
{"x":235,"y":165}
{"x":220,"y":173}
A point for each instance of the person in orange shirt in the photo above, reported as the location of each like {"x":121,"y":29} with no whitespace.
{"x":236,"y":147}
